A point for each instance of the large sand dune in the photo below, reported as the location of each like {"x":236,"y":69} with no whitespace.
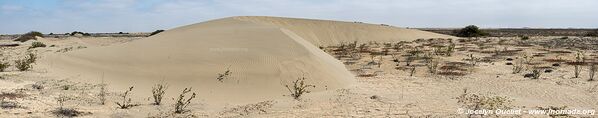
{"x":263,"y":53}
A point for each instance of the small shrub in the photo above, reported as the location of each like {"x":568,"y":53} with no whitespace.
{"x":37,"y":86}
{"x":158,"y":92}
{"x":578,"y":63}
{"x":412,"y":71}
{"x":126,"y":101}
{"x":68,"y":112}
{"x":473,"y":60}
{"x":479,"y":102}
{"x":224,"y":75}
{"x":3,"y":65}
{"x":592,"y":71}
{"x":299,"y":88}
{"x":37,"y":45}
{"x":64,"y":111}
{"x":102,"y":95}
{"x":536,"y":73}
{"x":432,"y":66}
{"x":518,"y":66}
{"x":181,"y":104}
{"x":26,"y":64}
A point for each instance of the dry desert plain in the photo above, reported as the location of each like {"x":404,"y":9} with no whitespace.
{"x":253,"y":66}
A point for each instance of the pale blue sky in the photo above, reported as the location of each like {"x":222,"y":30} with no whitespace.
{"x":60,"y":16}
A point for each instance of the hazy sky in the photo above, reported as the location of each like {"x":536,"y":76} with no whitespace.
{"x":60,"y":16}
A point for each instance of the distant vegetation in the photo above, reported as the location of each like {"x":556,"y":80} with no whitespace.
{"x":77,"y":32}
{"x":156,"y":32}
{"x":470,"y":31}
{"x":29,"y":36}
{"x":593,"y":33}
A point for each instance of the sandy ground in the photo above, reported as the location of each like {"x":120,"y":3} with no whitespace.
{"x":385,"y":78}
{"x":389,"y":93}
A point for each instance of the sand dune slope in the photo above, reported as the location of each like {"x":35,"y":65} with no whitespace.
{"x":263,"y":54}
{"x":326,"y":32}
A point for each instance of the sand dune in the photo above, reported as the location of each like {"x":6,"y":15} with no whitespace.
{"x":263,"y":54}
{"x":326,"y":32}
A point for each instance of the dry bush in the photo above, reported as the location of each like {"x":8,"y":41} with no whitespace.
{"x":299,"y":88}
{"x":224,"y":75}
{"x":246,"y":110}
{"x":182,"y":104}
{"x":473,"y":60}
{"x":158,"y":92}
{"x":126,"y":101}
{"x":518,"y":66}
{"x":102,"y":95}
{"x":37,"y":45}
{"x":592,"y":71}
{"x":577,"y":64}
{"x":26,"y":63}
{"x":3,"y":65}
{"x":412,"y":71}
{"x":536,"y":73}
{"x":63,"y":111}
{"x":432,"y":66}
{"x":479,"y":102}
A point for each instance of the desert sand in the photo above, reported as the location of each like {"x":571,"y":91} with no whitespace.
{"x":264,"y":53}
{"x":358,"y":70}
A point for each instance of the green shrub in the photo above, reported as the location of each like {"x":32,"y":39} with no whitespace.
{"x":37,"y":44}
{"x":29,"y":36}
{"x":470,"y":31}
